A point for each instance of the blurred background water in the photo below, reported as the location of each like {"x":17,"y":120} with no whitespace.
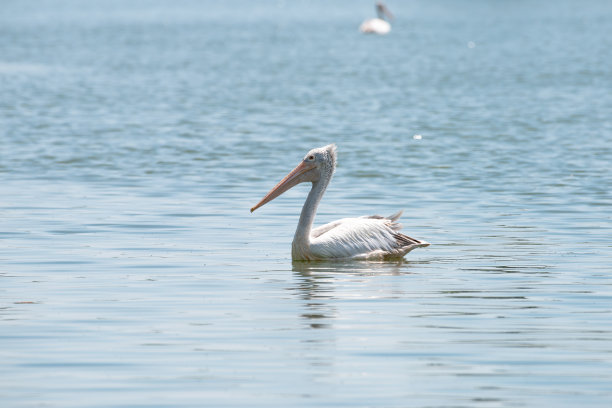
{"x":135,"y":136}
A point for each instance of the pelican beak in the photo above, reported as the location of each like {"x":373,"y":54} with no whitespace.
{"x":290,"y":180}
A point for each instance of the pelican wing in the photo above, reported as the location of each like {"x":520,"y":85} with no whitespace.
{"x":363,"y":237}
{"x":375,"y":26}
{"x":317,"y":232}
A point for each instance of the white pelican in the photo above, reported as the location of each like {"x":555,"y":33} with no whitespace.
{"x":377,"y":25}
{"x":372,"y":237}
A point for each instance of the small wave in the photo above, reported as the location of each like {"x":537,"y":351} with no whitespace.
{"x":22,"y":68}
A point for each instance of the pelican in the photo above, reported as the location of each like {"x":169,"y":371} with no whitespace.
{"x":377,"y":25}
{"x":367,"y":237}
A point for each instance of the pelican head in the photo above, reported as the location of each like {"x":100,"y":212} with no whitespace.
{"x":382,"y":11}
{"x":317,"y":164}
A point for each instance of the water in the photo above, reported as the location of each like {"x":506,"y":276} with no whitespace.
{"x":135,"y":137}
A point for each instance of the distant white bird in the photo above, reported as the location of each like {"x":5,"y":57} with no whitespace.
{"x":377,"y":25}
{"x":372,"y":237}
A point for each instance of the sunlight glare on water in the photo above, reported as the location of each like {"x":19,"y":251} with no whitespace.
{"x":134,"y":138}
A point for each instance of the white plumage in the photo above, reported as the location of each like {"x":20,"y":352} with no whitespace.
{"x":372,"y":237}
{"x":377,"y":25}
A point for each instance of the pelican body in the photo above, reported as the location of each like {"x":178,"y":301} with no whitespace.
{"x":377,"y":25}
{"x":368,"y":237}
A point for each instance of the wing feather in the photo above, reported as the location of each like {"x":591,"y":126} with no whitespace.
{"x":324,"y":228}
{"x":361,"y":237}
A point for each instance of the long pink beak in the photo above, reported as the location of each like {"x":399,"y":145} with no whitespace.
{"x":285,"y":184}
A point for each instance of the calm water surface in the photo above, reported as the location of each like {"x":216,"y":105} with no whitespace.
{"x":134,"y":137}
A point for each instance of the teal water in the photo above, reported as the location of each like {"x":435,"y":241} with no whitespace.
{"x":135,"y":137}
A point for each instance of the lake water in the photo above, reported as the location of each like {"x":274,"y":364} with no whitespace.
{"x":135,"y":136}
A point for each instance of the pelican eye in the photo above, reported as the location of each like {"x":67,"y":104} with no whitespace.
{"x":311,"y":157}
